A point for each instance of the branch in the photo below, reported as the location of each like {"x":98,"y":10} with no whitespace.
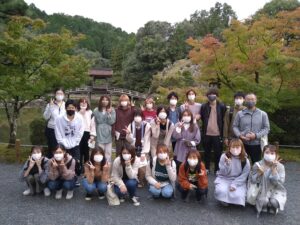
{"x":241,"y":49}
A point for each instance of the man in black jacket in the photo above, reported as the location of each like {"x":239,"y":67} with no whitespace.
{"x":212,"y":116}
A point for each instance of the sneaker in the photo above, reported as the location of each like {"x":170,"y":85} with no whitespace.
{"x":135,"y":201}
{"x":77,"y":184}
{"x":101,"y":196}
{"x":27,"y":192}
{"x":122,"y":199}
{"x":58,"y":194}
{"x":140,"y":185}
{"x":88,"y":197}
{"x":47,"y":192}
{"x":69,"y":195}
{"x":224,"y":204}
{"x":273,"y":210}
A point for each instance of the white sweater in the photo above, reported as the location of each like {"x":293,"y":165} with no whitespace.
{"x":87,"y":120}
{"x":69,"y":133}
{"x":53,"y":111}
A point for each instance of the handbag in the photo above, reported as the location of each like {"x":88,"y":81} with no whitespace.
{"x":111,"y":196}
{"x":263,"y":139}
{"x":252,"y":191}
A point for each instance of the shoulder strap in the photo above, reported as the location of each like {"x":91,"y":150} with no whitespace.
{"x":68,"y":165}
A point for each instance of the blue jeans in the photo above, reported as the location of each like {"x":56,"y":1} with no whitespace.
{"x":58,"y":184}
{"x":130,"y":184}
{"x":97,"y":185}
{"x":166,"y":191}
{"x":199,"y":192}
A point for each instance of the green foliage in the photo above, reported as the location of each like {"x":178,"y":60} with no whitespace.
{"x":37,"y":132}
{"x":275,"y":6}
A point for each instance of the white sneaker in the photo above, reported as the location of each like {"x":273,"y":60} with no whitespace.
{"x":135,"y":201}
{"x":27,"y":192}
{"x":47,"y":192}
{"x":58,"y":194}
{"x":69,"y":195}
{"x":122,"y":199}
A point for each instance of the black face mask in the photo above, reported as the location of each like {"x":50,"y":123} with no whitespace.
{"x":70,"y":112}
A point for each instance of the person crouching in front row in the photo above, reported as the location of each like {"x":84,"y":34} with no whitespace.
{"x":61,"y":173}
{"x":96,"y":172}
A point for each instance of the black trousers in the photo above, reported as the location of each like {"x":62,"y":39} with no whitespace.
{"x":215,"y":143}
{"x":75,"y":153}
{"x":254,"y":151}
{"x":84,"y":148}
{"x":51,"y":141}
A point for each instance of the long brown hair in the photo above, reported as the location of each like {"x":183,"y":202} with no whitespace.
{"x":192,"y":125}
{"x":187,"y":166}
{"x":100,"y":102}
{"x":131,"y":151}
{"x":236,"y":143}
{"x":95,"y":151}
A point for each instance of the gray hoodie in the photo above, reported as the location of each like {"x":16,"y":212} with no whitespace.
{"x":251,"y":121}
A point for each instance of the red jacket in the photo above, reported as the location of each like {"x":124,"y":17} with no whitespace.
{"x":183,"y":177}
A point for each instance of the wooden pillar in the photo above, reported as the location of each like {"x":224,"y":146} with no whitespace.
{"x":17,"y":148}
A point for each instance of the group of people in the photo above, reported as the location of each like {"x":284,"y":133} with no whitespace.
{"x":158,"y":146}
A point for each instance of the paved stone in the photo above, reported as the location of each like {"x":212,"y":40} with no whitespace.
{"x":26,"y":210}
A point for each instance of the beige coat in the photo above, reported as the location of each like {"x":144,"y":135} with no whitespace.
{"x":155,"y":130}
{"x":117,"y":171}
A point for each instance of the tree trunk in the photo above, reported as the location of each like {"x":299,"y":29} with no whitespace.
{"x":13,"y":119}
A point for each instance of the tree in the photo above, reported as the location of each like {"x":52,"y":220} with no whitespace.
{"x":275,"y":6}
{"x":213,"y":21}
{"x":262,"y":57}
{"x":33,"y":63}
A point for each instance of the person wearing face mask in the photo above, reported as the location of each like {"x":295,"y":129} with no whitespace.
{"x":174,"y":112}
{"x":212,"y":116}
{"x":231,"y":181}
{"x":251,"y":125}
{"x":230,"y":114}
{"x":190,"y":104}
{"x":187,"y":136}
{"x":161,"y":174}
{"x":61,"y":173}
{"x":124,"y":116}
{"x":124,"y":174}
{"x":84,"y":110}
{"x":269,"y":174}
{"x":34,"y":172}
{"x":138,"y":135}
{"x":54,"y":109}
{"x":161,"y":130}
{"x":148,"y":110}
{"x":192,"y":176}
{"x":96,"y":174}
{"x":104,"y":117}
{"x":69,"y":130}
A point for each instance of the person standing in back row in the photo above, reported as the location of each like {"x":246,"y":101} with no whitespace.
{"x":54,"y":109}
{"x":212,"y":115}
{"x":230,"y":114}
{"x":191,"y":105}
{"x":250,"y":125}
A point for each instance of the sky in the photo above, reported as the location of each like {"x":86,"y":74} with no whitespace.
{"x":130,"y":15}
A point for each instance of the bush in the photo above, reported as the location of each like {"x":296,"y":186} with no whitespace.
{"x":37,"y":132}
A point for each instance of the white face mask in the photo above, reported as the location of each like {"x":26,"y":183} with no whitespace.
{"x":36,"y":156}
{"x":126,"y":157}
{"x":138,"y":119}
{"x":193,"y":162}
{"x":98,"y":158}
{"x":149,"y":106}
{"x":58,"y":156}
{"x":238,"y":102}
{"x":83,"y":107}
{"x":162,"y":156}
{"x":236,"y":151}
{"x":269,"y":157}
{"x":59,"y":97}
{"x":191,"y":97}
{"x":124,"y":103}
{"x":173,"y":101}
{"x":162,"y":115}
{"x":186,"y":119}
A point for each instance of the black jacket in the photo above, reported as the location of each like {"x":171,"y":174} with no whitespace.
{"x":205,"y":112}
